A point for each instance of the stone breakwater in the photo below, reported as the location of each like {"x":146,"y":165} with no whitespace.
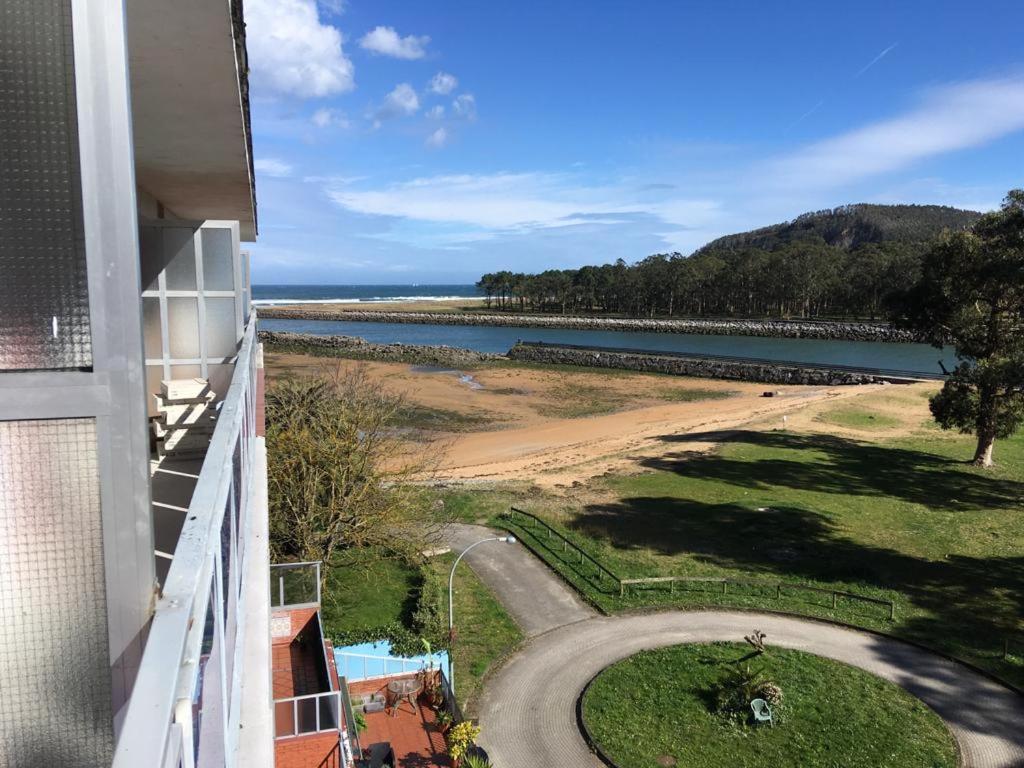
{"x":351,"y":346}
{"x":784,"y":329}
{"x":766,"y":373}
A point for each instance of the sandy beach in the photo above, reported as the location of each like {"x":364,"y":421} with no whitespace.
{"x":557,"y":427}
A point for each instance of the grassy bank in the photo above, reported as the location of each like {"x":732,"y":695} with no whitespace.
{"x":386,"y":598}
{"x":659,"y":708}
{"x":903,"y":519}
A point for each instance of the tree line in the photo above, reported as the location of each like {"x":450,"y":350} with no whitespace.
{"x":803,"y":278}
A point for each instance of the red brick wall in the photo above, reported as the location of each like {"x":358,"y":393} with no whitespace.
{"x":315,"y":751}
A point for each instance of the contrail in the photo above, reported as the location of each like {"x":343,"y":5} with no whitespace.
{"x":805,"y":115}
{"x":875,"y":60}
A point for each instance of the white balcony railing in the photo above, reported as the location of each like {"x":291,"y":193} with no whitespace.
{"x":300,"y":715}
{"x":184,"y":707}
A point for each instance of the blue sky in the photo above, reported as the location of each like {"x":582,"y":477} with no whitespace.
{"x":416,"y":142}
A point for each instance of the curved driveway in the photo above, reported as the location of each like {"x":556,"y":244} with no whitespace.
{"x":528,"y":708}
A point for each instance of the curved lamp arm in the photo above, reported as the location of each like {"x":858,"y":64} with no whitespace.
{"x":451,"y":603}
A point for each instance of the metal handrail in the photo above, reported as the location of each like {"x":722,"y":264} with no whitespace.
{"x":159,"y":716}
{"x":566,"y":542}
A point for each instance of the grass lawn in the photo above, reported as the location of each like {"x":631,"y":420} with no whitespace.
{"x":386,"y":592}
{"x":485,"y":634}
{"x":370,"y":596}
{"x":906,"y":519}
{"x":656,"y":707}
{"x":691,"y":395}
{"x":859,"y":418}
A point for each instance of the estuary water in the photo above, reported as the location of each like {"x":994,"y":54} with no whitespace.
{"x":915,"y":358}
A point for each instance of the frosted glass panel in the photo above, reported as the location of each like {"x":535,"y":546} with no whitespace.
{"x":221,"y":338}
{"x":186,"y":372}
{"x":183,"y":325}
{"x":218,"y":261}
{"x":44,"y":297}
{"x":151,"y":328}
{"x":150,"y":256}
{"x":54,"y":661}
{"x":180,"y":258}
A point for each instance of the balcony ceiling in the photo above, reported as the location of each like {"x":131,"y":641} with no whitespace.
{"x":190,"y":110}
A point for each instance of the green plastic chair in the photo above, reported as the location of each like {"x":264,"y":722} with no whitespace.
{"x":762,"y":712}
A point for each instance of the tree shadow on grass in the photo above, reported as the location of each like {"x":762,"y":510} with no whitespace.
{"x":830,"y":464}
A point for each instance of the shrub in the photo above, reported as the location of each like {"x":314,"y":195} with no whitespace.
{"x":732,"y":695}
{"x":460,"y":739}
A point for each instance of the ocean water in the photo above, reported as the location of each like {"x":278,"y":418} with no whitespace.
{"x":268,"y":295}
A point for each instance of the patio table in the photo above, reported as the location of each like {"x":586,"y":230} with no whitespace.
{"x":406,"y":689}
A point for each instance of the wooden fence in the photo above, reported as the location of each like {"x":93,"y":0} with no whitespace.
{"x":549,"y":536}
{"x":777,"y":586}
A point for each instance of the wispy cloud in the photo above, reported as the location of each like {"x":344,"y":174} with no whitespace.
{"x":402,"y":101}
{"x":464,"y":105}
{"x":271,"y":166}
{"x":874,"y":61}
{"x":324,"y":118}
{"x":948,"y":119}
{"x":387,"y":42}
{"x":438,"y":138}
{"x":443,"y":83}
{"x":292,"y":52}
{"x":516,"y":201}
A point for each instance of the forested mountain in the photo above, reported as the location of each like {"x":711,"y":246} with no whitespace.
{"x":840,"y":262}
{"x":851,"y":226}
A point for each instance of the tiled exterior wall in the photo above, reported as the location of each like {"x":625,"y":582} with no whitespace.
{"x":316,"y":751}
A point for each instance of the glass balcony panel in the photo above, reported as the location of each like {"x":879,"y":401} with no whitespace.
{"x":221,"y":327}
{"x":180,"y":259}
{"x":151,"y":331}
{"x":183,"y":327}
{"x":218,"y":259}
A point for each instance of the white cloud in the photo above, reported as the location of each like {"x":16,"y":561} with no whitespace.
{"x":387,"y":42}
{"x":443,"y":83}
{"x":438,"y":138}
{"x":465,"y":106}
{"x":402,"y":101}
{"x":516,"y":201}
{"x":324,"y":118}
{"x":951,"y":118}
{"x":336,"y":7}
{"x":292,"y":53}
{"x":436,"y":112}
{"x":271,"y":166}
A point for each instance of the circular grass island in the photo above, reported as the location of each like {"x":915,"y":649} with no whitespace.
{"x":688,"y":705}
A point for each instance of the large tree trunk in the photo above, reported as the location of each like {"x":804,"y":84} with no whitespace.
{"x":983,"y":453}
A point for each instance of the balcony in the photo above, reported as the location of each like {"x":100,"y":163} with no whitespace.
{"x":313,"y":722}
{"x":189,"y":698}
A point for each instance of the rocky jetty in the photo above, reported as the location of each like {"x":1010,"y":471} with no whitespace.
{"x":784,"y":329}
{"x":351,"y":346}
{"x":708,"y":368}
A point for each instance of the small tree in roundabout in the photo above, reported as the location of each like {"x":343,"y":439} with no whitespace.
{"x":971,"y":295}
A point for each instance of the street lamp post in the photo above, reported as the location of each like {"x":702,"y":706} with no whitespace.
{"x":451,"y":603}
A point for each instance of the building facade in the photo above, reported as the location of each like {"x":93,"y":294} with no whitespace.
{"x":134,"y":591}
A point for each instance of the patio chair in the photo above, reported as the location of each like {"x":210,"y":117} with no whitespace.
{"x":762,"y":712}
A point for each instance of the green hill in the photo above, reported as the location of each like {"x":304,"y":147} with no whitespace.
{"x":851,"y":226}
